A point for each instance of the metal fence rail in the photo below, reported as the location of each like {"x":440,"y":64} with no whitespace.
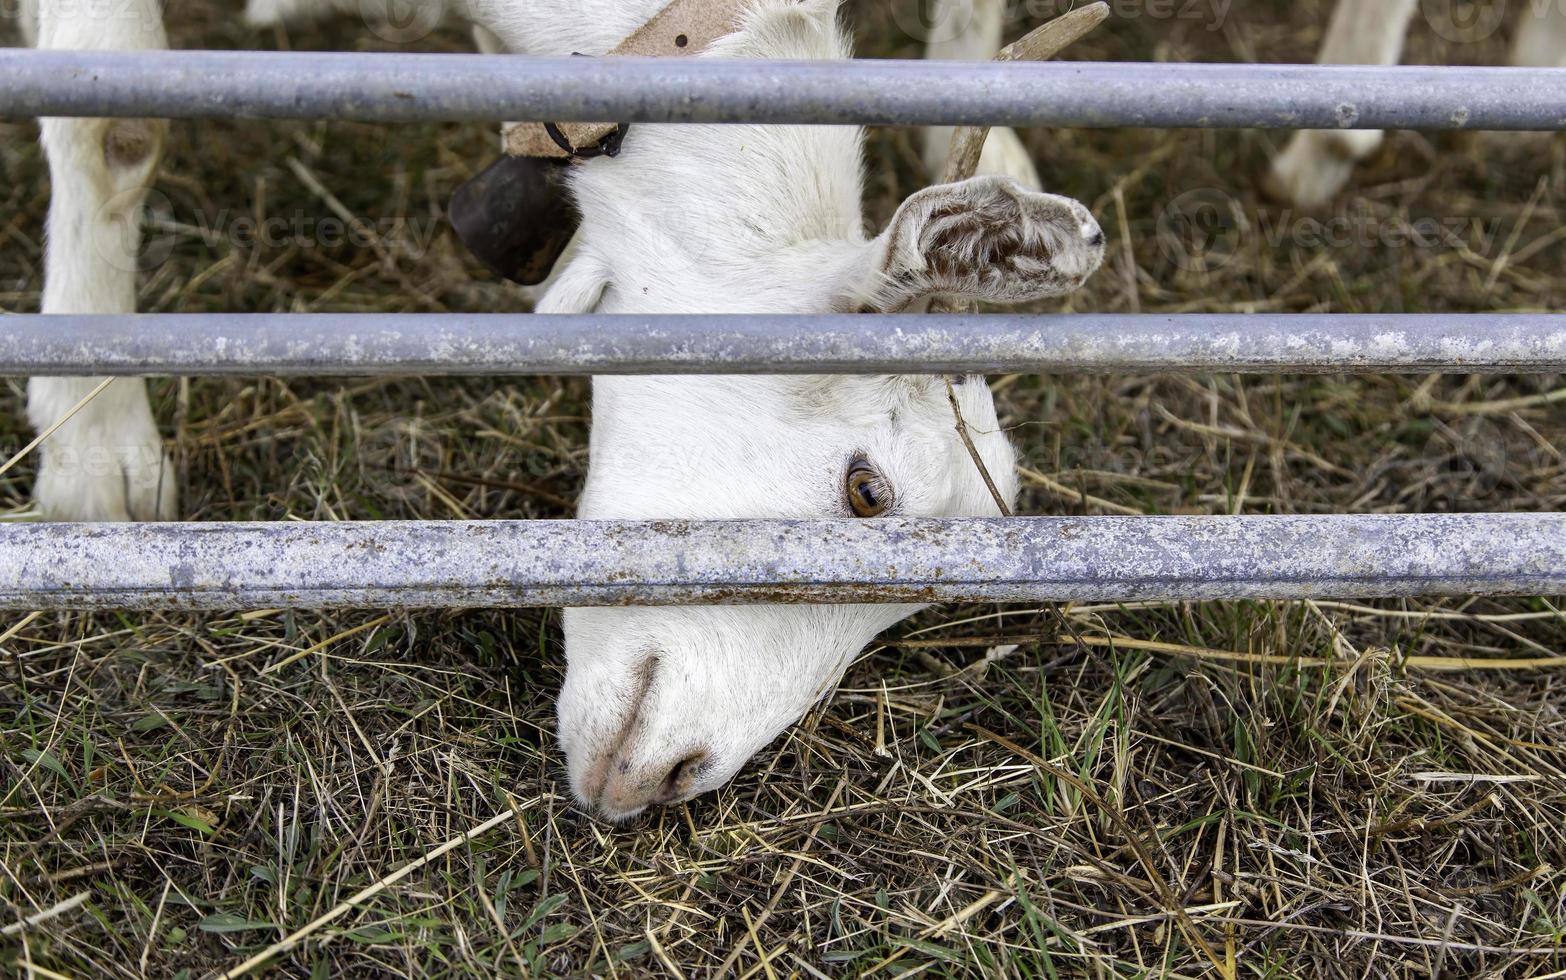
{"x":408,"y":87}
{"x":437,"y":564}
{"x":448,"y":344}
{"x":576,"y":563}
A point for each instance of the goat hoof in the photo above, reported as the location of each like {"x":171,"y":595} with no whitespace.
{"x":1311,"y":171}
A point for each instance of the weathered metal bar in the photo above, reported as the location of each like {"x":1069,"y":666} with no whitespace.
{"x":574,"y":563}
{"x":407,"y":87}
{"x":463,"y":344}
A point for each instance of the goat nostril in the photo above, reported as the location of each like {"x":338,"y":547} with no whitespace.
{"x":677,"y":784}
{"x":1096,"y":240}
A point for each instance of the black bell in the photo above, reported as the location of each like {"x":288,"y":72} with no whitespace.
{"x":516,"y":217}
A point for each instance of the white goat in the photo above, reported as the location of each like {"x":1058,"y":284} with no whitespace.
{"x":658,"y":704}
{"x":1317,"y":163}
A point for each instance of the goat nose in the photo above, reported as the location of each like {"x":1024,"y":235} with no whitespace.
{"x":631,"y":789}
{"x":677,"y":783}
{"x":1091,"y":229}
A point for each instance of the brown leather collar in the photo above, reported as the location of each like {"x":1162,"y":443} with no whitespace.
{"x":680,"y":30}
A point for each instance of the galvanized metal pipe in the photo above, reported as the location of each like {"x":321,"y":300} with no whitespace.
{"x":407,"y":87}
{"x":464,"y":344}
{"x":577,"y":563}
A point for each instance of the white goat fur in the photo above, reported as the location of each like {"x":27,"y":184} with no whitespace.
{"x":659,"y":704}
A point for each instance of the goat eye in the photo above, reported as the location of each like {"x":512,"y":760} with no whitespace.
{"x":869,"y":493}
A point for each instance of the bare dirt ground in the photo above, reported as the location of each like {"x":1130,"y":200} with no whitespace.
{"x":1296,"y":789}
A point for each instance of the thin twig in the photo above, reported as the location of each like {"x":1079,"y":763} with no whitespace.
{"x":38,"y":918}
{"x":345,"y":634}
{"x":5,"y":468}
{"x":363,"y":895}
{"x":1085,"y":499}
{"x":1501,"y":407}
{"x":973,"y":451}
{"x":16,"y":628}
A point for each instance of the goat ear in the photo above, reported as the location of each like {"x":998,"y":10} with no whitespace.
{"x":987,"y":239}
{"x":579,"y":287}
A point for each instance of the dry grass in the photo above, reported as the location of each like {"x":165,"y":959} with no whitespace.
{"x":1293,"y":788}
